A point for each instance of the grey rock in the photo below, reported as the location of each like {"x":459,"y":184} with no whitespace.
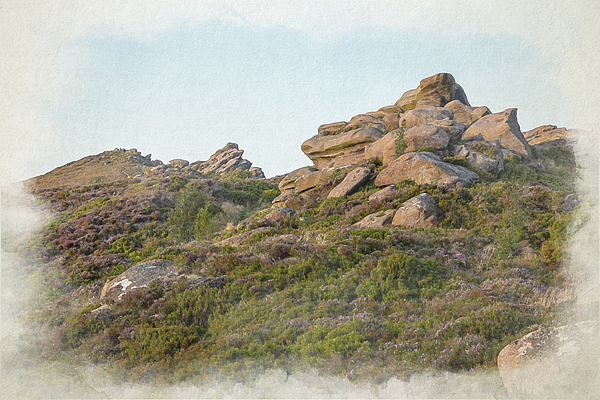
{"x":418,"y":212}
{"x":378,"y":220}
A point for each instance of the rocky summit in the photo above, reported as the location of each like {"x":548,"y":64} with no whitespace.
{"x":427,"y":235}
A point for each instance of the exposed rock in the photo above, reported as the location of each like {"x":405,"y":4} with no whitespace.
{"x":287,"y":183}
{"x":391,"y":121}
{"x":281,"y":215}
{"x":138,"y":276}
{"x":485,"y":155}
{"x":256,"y":173}
{"x":547,"y":136}
{"x":365,"y":120}
{"x":376,"y":220}
{"x":570,"y":202}
{"x":425,"y":116}
{"x":283,"y":199}
{"x":436,"y":90}
{"x":384,"y":194}
{"x":454,"y":129}
{"x":179,"y":163}
{"x":504,"y":127}
{"x":226,"y":160}
{"x":392,"y":109}
{"x":425,"y":168}
{"x":425,"y":135}
{"x":465,"y":114}
{"x":309,"y":181}
{"x":377,"y":148}
{"x":241,"y":238}
{"x":554,"y":362}
{"x":348,"y":146}
{"x":418,"y":212}
{"x":353,"y":180}
{"x":331,"y":129}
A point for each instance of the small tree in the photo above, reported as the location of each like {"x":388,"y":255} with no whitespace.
{"x":186,"y":218}
{"x":204,"y":224}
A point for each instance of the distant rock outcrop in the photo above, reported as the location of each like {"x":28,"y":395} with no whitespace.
{"x":226,"y":160}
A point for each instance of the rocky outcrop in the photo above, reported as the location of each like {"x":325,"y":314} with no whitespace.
{"x":382,"y":148}
{"x":226,"y":160}
{"x":425,"y":168}
{"x":436,"y":90}
{"x":138,"y":276}
{"x":378,"y":220}
{"x":548,"y":136}
{"x":465,"y":114}
{"x":178,"y":163}
{"x":487,"y":156}
{"x":281,"y":215}
{"x":418,"y":212}
{"x":339,"y":149}
{"x":311,"y":180}
{"x":553,"y":362}
{"x":425,"y":135}
{"x":425,"y":116}
{"x":353,"y":180}
{"x":504,"y":127}
{"x":287,"y":184}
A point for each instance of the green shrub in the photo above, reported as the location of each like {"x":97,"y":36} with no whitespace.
{"x":184,"y":221}
{"x":400,"y":143}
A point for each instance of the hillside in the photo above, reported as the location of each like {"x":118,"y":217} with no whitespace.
{"x":428,"y":235}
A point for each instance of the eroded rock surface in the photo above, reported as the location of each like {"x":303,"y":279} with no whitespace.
{"x":376,"y":220}
{"x":436,"y":90}
{"x":418,"y":212}
{"x":353,"y":180}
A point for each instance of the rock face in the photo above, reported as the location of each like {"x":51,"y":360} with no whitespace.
{"x":425,"y":116}
{"x":436,"y":90}
{"x":226,"y":160}
{"x":548,"y":136}
{"x":376,"y":220}
{"x":339,"y":149}
{"x":553,"y":362}
{"x":465,"y":114}
{"x":424,"y":168}
{"x":353,"y":180}
{"x":418,"y":212}
{"x":138,"y":276}
{"x":425,"y":135}
{"x":504,"y":127}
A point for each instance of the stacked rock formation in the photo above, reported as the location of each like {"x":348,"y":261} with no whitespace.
{"x":414,"y":138}
{"x":226,"y":160}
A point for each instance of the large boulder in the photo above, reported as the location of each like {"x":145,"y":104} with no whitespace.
{"x":138,"y":276}
{"x":309,"y":181}
{"x":465,"y":114}
{"x":557,"y":362}
{"x":454,"y":129}
{"x":418,"y":212}
{"x":391,"y":121}
{"x":353,"y":180}
{"x":347,"y":147}
{"x":377,"y":148}
{"x":425,"y":168}
{"x":384,"y":194}
{"x":226,"y":160}
{"x":504,"y":127}
{"x":436,"y":90}
{"x":424,"y":116}
{"x":288,"y":182}
{"x":378,"y":220}
{"x":548,"y":136}
{"x":425,"y":135}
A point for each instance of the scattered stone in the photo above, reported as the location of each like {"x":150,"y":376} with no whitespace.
{"x":425,"y":135}
{"x":384,"y":194}
{"x":425,"y":168}
{"x":436,"y":90}
{"x":136,"y":277}
{"x":465,"y":114}
{"x":347,"y":146}
{"x":353,"y":180}
{"x":376,"y":220}
{"x":553,"y":362}
{"x":570,"y":202}
{"x":504,"y":127}
{"x":418,"y":212}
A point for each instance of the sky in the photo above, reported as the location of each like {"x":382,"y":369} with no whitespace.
{"x":180,"y":79}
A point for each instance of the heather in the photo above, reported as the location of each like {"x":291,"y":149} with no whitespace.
{"x":306,"y":291}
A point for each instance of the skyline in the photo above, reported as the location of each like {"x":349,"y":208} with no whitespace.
{"x":181,"y":79}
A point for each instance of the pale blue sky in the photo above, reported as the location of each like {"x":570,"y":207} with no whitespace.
{"x":180,"y":79}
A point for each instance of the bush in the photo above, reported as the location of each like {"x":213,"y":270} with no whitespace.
{"x":192,"y":215}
